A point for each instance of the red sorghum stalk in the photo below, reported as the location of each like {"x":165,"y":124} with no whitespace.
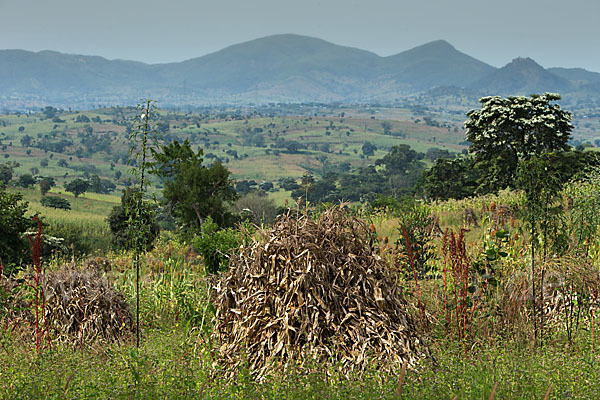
{"x":455,"y":252}
{"x":36,"y":254}
{"x":412,"y":264}
{"x":445,"y":270}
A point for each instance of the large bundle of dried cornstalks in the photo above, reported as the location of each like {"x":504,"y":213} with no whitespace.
{"x":318,"y":288}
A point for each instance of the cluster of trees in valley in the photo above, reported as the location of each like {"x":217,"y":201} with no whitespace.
{"x":195,"y":184}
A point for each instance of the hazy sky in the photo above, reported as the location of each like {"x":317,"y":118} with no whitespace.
{"x":554,"y":33}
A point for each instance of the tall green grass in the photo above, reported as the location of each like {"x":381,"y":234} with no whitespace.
{"x":84,"y":227}
{"x":177,"y":358}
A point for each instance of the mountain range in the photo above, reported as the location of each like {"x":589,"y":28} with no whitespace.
{"x":279,"y":68}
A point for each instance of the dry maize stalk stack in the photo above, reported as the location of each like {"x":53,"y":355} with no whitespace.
{"x":313,"y":287}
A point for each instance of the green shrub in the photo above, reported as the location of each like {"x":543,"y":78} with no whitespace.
{"x":418,"y":224}
{"x":215,"y":246}
{"x":120,"y":222}
{"x":13,"y":223}
{"x":392,"y":205}
{"x":56,"y":202}
{"x":84,"y":238}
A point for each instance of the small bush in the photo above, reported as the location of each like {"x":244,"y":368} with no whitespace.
{"x":13,"y":223}
{"x":56,"y":202}
{"x":120,"y":223}
{"x":419,"y":224}
{"x":216,"y":245}
{"x":84,"y":238}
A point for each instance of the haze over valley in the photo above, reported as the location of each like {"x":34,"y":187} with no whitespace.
{"x":280,"y":68}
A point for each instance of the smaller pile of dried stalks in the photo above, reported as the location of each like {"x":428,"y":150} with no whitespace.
{"x":571,"y":285}
{"x":313,"y":290}
{"x":81,"y":306}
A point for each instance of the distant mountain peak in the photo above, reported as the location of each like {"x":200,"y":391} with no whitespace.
{"x":522,"y":76}
{"x":523,"y":62}
{"x":436,"y":63}
{"x":439,"y":44}
{"x":285,"y":67}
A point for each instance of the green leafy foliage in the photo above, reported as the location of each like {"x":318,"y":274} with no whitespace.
{"x":216,"y":245}
{"x":77,"y":186}
{"x":288,"y":183}
{"x":56,"y":202}
{"x":418,"y":224}
{"x":583,"y":194}
{"x":194,"y":191}
{"x":46,"y":184}
{"x":392,"y":206}
{"x":124,"y":233}
{"x":394,"y":175}
{"x":450,"y":179}
{"x":6,"y":174}
{"x":540,"y":179}
{"x":507,"y":130}
{"x":26,"y":180}
{"x":257,"y":207}
{"x":13,"y":224}
{"x":368,"y":148}
{"x":98,"y":185}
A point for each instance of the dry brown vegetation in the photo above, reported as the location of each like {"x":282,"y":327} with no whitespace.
{"x":80,"y":306}
{"x":318,"y":287}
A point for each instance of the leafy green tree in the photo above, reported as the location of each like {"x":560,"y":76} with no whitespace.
{"x":401,"y":160}
{"x":293,"y":147}
{"x":415,"y":239}
{"x":46,"y":184}
{"x":245,"y":186}
{"x":26,"y":141}
{"x":402,"y":168}
{"x":392,"y":206}
{"x":266,"y":186}
{"x":369,"y":148}
{"x":56,"y":202}
{"x":387,"y":127}
{"x":98,"y":185}
{"x":6,"y":174}
{"x":82,"y":118}
{"x":450,"y":179}
{"x":26,"y":180}
{"x":77,"y":186}
{"x":317,"y":191}
{"x":507,"y":130}
{"x":288,"y":183}
{"x":216,"y":245}
{"x":194,"y":191}
{"x":434,"y":153}
{"x":49,"y":112}
{"x":13,"y":224}
{"x":119,"y":222}
{"x":257,"y":207}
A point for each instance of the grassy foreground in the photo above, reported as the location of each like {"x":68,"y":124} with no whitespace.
{"x":175,"y":362}
{"x":176,"y":359}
